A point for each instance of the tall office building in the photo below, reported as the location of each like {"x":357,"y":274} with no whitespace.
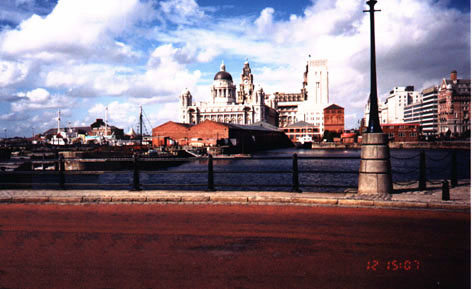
{"x":424,"y":111}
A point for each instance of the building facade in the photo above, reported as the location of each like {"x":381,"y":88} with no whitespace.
{"x":246,"y":106}
{"x":308,"y":104}
{"x":454,"y":105}
{"x":393,"y":108}
{"x":209,"y":133}
{"x":316,"y":86}
{"x":287,"y":106}
{"x":424,"y":111}
{"x":334,"y":118}
{"x":302,"y":129}
{"x":402,"y":132}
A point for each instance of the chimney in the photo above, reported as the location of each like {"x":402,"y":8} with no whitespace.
{"x":454,"y":75}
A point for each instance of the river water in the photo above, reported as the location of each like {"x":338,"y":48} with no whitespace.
{"x":405,"y":168}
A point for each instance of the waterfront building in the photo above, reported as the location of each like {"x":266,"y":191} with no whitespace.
{"x":247,"y":106}
{"x":424,"y":111}
{"x":334,"y":118}
{"x":287,"y":106}
{"x":454,"y":105}
{"x":210,"y":133}
{"x":392,"y":109}
{"x":302,"y":129}
{"x":316,"y":86}
{"x":307,"y":105}
{"x":101,"y":131}
{"x":97,"y":132}
{"x":402,"y":132}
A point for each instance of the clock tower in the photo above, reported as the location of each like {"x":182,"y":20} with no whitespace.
{"x":246,"y":88}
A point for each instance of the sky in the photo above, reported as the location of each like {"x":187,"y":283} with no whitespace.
{"x":80,"y":57}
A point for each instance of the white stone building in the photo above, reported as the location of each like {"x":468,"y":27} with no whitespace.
{"x":399,"y":97}
{"x":307,"y":105}
{"x":424,"y":111}
{"x":316,"y":84}
{"x":392,"y":109}
{"x":247,"y":106}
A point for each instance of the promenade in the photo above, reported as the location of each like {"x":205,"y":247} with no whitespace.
{"x":406,"y":197}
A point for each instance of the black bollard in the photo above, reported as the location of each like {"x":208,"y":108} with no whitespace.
{"x":136,"y":184}
{"x":295,"y":181}
{"x":422,"y":172}
{"x":211,"y":184}
{"x":445,"y":191}
{"x":62,"y":179}
{"x":453,"y":169}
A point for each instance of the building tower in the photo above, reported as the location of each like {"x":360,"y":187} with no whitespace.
{"x":246,"y":88}
{"x":185,"y":103}
{"x":317,"y":82}
{"x":315,"y":93}
{"x":223,"y":91}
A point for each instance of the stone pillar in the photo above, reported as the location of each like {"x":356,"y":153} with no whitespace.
{"x":375,"y":173}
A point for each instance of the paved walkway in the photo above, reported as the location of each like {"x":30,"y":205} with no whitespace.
{"x":403,"y":197}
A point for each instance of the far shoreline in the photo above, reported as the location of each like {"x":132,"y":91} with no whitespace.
{"x":455,"y":145}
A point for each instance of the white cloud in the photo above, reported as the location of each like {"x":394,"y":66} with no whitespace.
{"x":264,"y":22}
{"x":38,"y":95}
{"x":181,"y":11}
{"x":73,"y":28}
{"x":12,"y":72}
{"x":40,"y":99}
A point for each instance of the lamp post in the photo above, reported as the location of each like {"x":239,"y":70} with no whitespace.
{"x":374,"y":123}
{"x":375,"y":173}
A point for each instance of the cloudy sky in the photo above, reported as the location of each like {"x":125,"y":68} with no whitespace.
{"x":82,"y":56}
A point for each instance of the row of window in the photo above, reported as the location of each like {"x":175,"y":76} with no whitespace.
{"x":402,"y":134}
{"x":301,"y":130}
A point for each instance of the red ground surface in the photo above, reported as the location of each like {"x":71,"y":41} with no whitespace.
{"x":215,"y":246}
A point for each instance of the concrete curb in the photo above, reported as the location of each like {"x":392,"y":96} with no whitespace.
{"x":355,"y":203}
{"x":315,"y":201}
{"x":192,"y":198}
{"x":400,"y":204}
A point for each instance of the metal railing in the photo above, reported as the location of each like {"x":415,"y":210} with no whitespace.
{"x":137,"y":164}
{"x":422,"y":169}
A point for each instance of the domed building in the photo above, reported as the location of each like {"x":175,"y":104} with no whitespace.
{"x":247,"y":106}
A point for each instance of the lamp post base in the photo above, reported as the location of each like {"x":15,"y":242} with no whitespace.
{"x":375,"y":173}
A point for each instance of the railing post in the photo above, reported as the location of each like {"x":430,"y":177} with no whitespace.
{"x":211,"y":183}
{"x":295,"y":182}
{"x":445,"y":191}
{"x":422,"y":172}
{"x":62,"y":179}
{"x":136,"y":185}
{"x":453,"y":169}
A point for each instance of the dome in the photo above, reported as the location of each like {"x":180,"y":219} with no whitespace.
{"x":223,"y":75}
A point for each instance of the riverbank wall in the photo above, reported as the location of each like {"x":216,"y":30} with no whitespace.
{"x":454,"y":145}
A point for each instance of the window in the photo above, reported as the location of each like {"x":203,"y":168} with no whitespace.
{"x":401,"y":134}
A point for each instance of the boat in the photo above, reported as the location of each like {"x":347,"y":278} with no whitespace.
{"x":305,"y":141}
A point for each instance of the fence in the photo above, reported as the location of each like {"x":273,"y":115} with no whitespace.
{"x":138,"y":163}
{"x":422,"y":169}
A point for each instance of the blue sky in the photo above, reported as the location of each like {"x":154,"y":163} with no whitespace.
{"x":81,"y":56}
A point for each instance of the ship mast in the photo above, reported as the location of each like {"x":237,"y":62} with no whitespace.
{"x":59,"y":122}
{"x":141,"y":125}
{"x":106,"y":121}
